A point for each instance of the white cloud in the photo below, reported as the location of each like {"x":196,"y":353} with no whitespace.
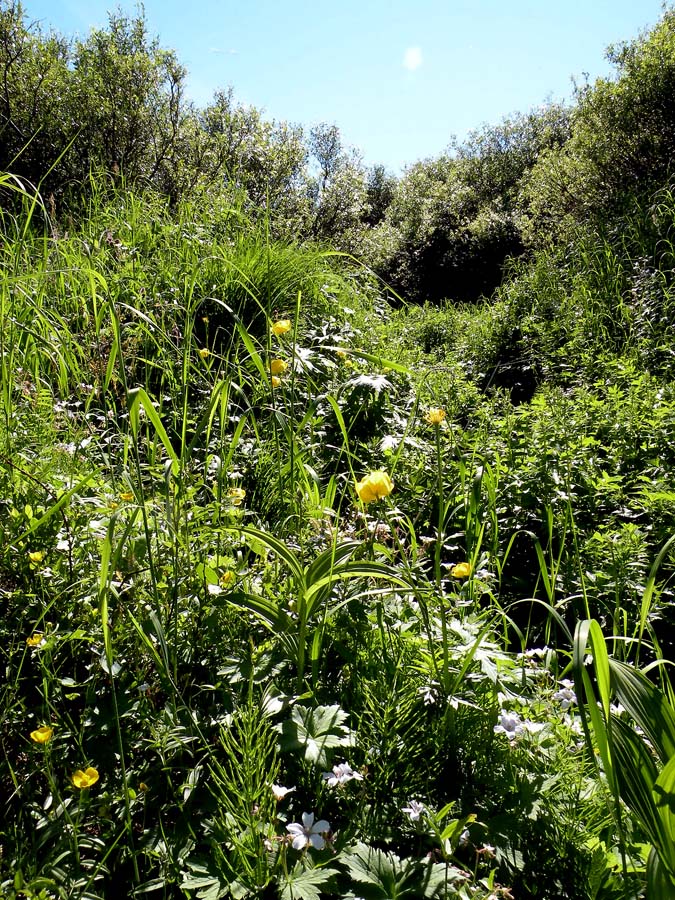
{"x":412,"y":58}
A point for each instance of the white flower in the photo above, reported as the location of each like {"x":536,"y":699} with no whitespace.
{"x":535,"y":652}
{"x":280,"y":792}
{"x":341,"y":775}
{"x":310,"y":833}
{"x":565,"y":696}
{"x":414,"y":810}
{"x":429,"y":693}
{"x":510,"y":725}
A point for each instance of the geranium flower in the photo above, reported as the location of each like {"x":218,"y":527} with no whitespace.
{"x":84,"y":779}
{"x":414,"y":810}
{"x":374,"y":486}
{"x":310,"y":833}
{"x":278,"y":366}
{"x":566,"y":696}
{"x":280,"y":792}
{"x":281,"y":326}
{"x":42,"y":734}
{"x":341,"y":774}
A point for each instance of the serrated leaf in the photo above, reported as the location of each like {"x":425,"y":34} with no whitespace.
{"x":305,"y":884}
{"x":315,"y":731}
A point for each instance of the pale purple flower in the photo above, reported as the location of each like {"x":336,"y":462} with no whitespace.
{"x":510,"y":725}
{"x":565,"y":696}
{"x":310,"y":833}
{"x":414,"y":810}
{"x":341,"y":775}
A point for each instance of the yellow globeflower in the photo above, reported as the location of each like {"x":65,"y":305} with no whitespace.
{"x":461,"y":570}
{"x":435,"y":415}
{"x":84,"y":779}
{"x":281,"y":326}
{"x":42,"y":734}
{"x":276,"y":381}
{"x":374,"y":486}
{"x":278,"y":367}
{"x":35,"y":640}
{"x":236,"y":496}
{"x":127,"y":496}
{"x":36,"y":556}
{"x":204,"y":352}
{"x":226,"y":578}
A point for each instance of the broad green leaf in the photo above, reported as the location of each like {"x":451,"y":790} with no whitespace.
{"x":269,"y":613}
{"x":315,"y":731}
{"x":660,"y":884}
{"x":276,"y":546}
{"x":647,"y":705}
{"x":636,"y":774}
{"x":664,"y":793}
{"x":306,"y":884}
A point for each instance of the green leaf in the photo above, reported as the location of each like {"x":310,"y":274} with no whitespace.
{"x":305,"y":883}
{"x":636,"y":775}
{"x":664,"y":793}
{"x":271,"y":615}
{"x":384,"y":876}
{"x":138,"y":396}
{"x":660,"y":885}
{"x":647,"y":705}
{"x":315,"y":731}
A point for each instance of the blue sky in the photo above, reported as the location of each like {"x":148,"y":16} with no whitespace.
{"x":399,"y":77}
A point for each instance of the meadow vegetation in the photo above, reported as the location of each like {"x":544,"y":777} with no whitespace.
{"x":337,"y":517}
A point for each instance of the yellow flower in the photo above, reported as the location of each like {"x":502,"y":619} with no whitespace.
{"x":278,"y":367}
{"x":435,"y":415}
{"x":341,"y":353}
{"x":461,"y":570}
{"x":42,"y":734}
{"x":127,"y":496}
{"x":281,"y":327}
{"x":36,"y":556}
{"x":236,"y":495}
{"x":35,"y":640}
{"x":226,"y":579}
{"x":374,"y":486}
{"x":142,"y":786}
{"x":276,"y":381}
{"x":204,"y":352}
{"x":84,"y":779}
